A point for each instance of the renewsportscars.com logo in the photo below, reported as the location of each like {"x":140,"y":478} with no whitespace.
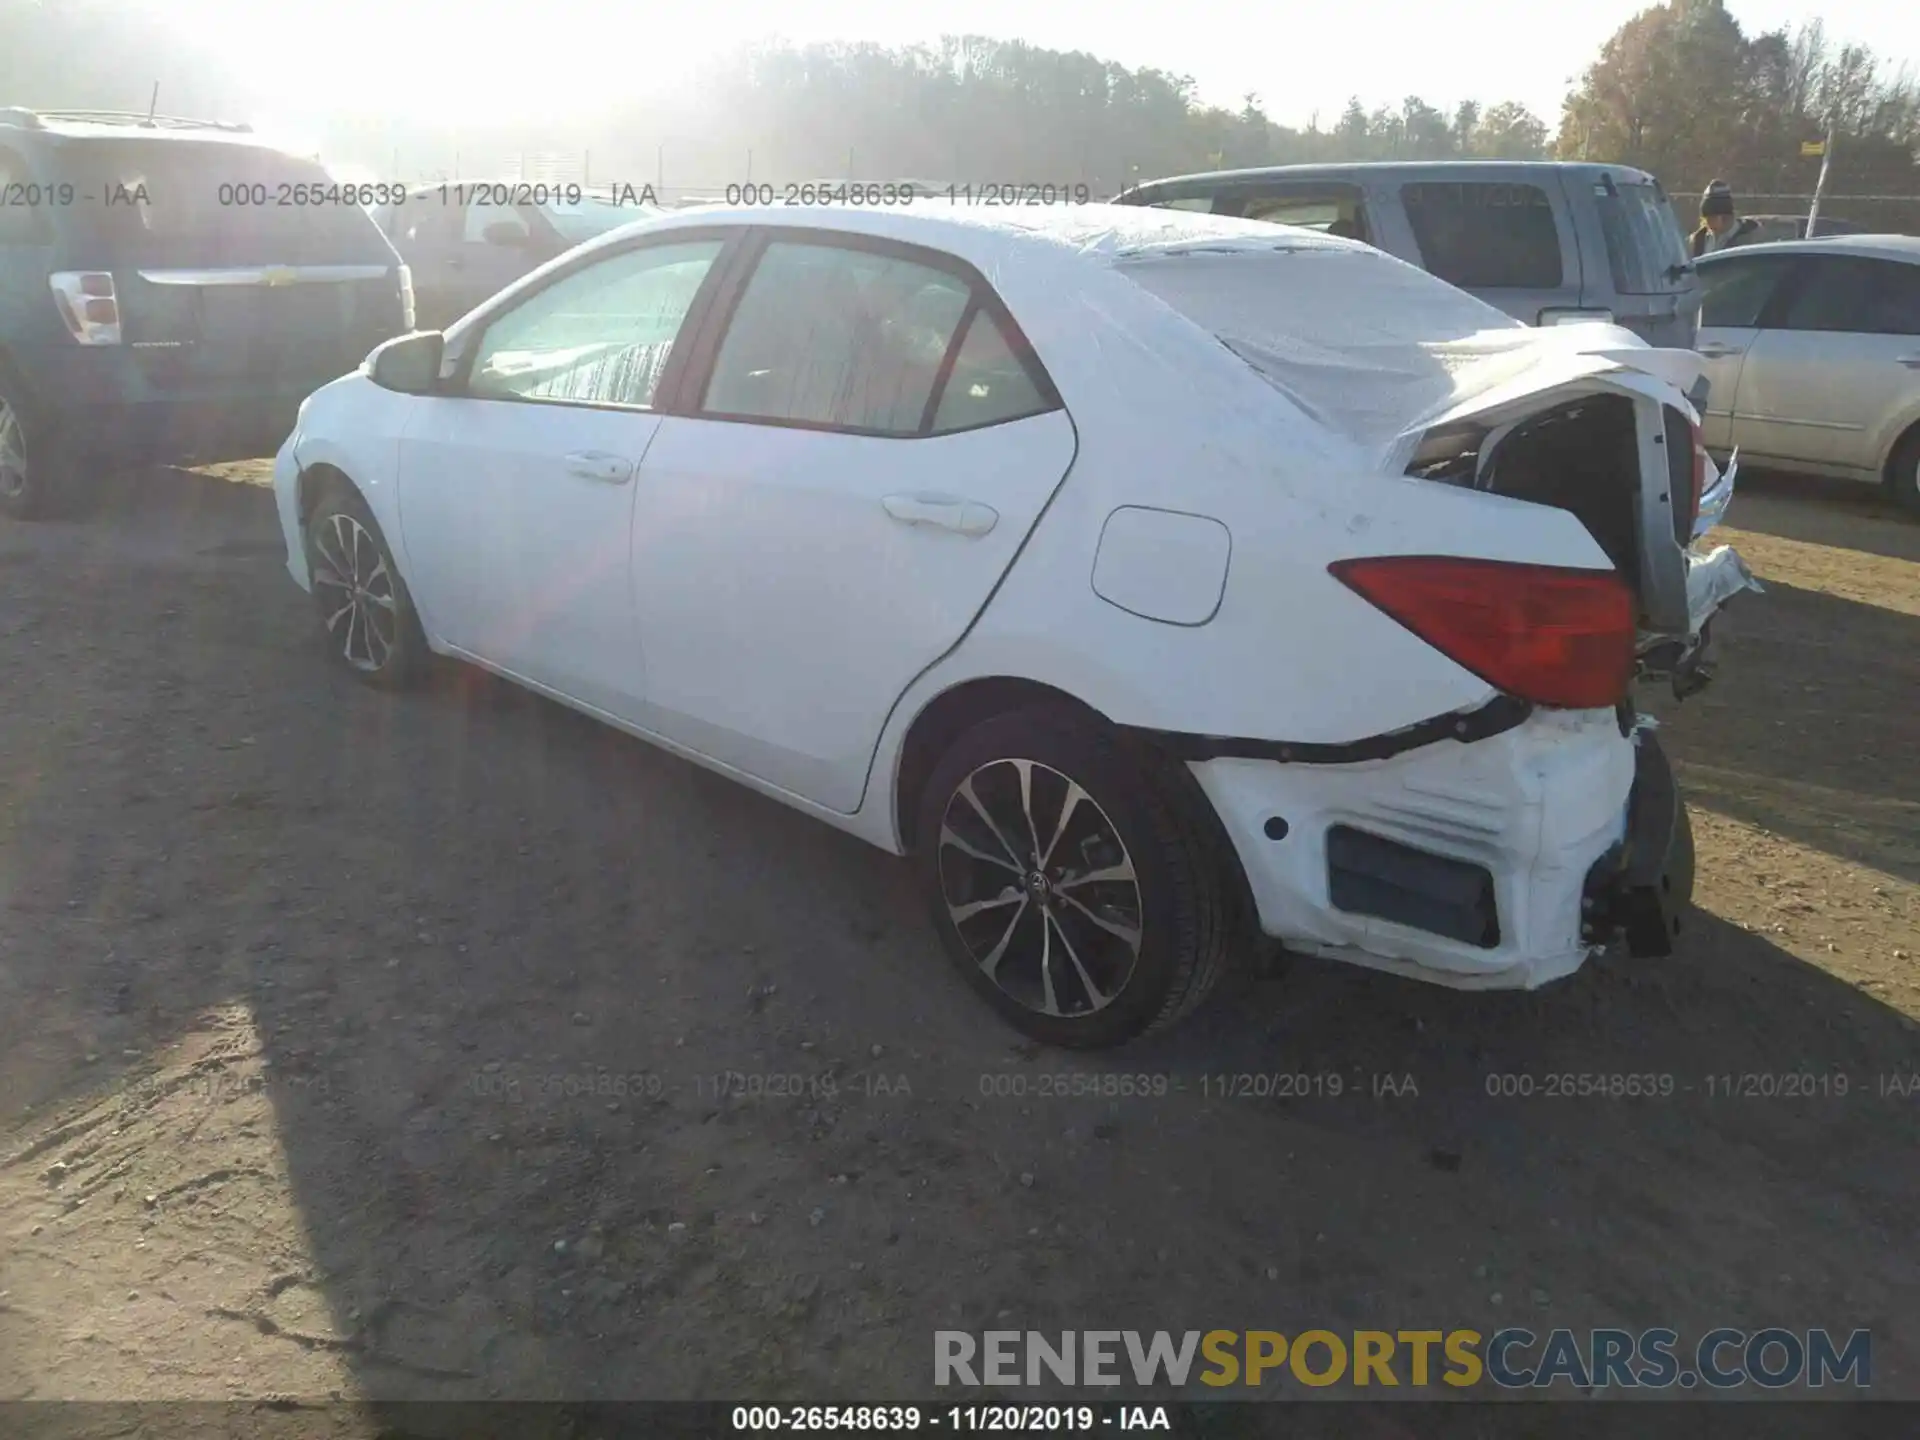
{"x":1511,"y":1358}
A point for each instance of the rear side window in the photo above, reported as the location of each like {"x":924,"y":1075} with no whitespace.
{"x":1485,"y":236}
{"x":1645,"y":250}
{"x":831,"y":336}
{"x":988,"y":382}
{"x":1736,"y":291}
{"x":1858,"y":296}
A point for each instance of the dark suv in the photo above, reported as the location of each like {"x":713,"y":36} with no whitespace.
{"x":170,"y":290}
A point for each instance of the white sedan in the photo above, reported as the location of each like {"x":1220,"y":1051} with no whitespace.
{"x":1154,"y":580}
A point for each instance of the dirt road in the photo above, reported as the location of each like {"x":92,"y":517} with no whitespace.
{"x":366,"y":1044}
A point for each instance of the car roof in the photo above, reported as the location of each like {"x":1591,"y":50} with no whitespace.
{"x":1432,"y":169}
{"x":1884,"y":247}
{"x":1096,"y":232}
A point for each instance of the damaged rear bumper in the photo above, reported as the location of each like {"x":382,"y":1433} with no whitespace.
{"x":1641,"y":890}
{"x":1468,"y":864}
{"x":1497,"y":863}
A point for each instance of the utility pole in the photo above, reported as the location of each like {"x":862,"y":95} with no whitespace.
{"x":1820,"y":185}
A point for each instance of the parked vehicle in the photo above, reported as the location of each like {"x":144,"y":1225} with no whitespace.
{"x":163,"y":298}
{"x":1547,"y":242}
{"x":1150,"y":579}
{"x":1813,"y":347}
{"x":466,"y":240}
{"x":1794,"y":227}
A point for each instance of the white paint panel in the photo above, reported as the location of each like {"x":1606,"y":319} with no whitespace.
{"x":1162,"y":564}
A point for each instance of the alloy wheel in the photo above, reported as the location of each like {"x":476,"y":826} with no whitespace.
{"x":356,"y":592}
{"x":1040,"y":888}
{"x":13,"y":454}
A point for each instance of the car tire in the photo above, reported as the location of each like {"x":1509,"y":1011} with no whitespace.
{"x":367,"y":620}
{"x":1082,"y":962}
{"x":1903,"y":473}
{"x":35,"y":476}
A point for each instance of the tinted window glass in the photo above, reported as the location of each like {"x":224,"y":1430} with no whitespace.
{"x":1645,"y":248}
{"x":1483,"y":236}
{"x":1735,"y":292}
{"x":1336,"y":212}
{"x":23,"y":205}
{"x":988,"y":383}
{"x":1871,"y":297}
{"x":1202,"y":203}
{"x":833,"y":336}
{"x":226,"y":197}
{"x":601,"y":336}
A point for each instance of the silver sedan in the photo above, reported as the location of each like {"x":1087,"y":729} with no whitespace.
{"x":1813,"y":348}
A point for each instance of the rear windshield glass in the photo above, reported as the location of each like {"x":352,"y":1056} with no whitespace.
{"x":1485,"y":235}
{"x":1644,"y":245}
{"x":170,"y":193}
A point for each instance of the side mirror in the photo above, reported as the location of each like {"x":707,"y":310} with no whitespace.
{"x":506,"y":233}
{"x":409,"y":364}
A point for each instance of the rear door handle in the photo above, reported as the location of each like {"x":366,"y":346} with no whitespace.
{"x":598,"y":465}
{"x":1912,"y":362}
{"x":944,"y":512}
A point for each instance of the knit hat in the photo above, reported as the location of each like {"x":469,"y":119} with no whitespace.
{"x":1717,"y":200}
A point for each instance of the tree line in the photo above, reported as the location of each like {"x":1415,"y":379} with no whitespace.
{"x":1680,"y":90}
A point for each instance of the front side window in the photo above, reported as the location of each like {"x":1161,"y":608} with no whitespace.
{"x":1646,"y":250}
{"x":1735,"y":292}
{"x":832,"y":336}
{"x":601,"y":336}
{"x":1482,"y":235}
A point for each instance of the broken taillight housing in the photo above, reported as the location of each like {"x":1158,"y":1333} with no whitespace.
{"x":87,"y":304}
{"x":1543,"y":633}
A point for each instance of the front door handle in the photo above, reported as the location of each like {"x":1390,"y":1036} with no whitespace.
{"x":944,"y":512}
{"x":598,"y":465}
{"x":1912,"y":362}
{"x":1715,"y":351}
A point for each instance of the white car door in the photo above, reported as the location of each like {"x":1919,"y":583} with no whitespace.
{"x":1818,"y":388}
{"x":516,"y":489}
{"x":872,"y":446}
{"x":1735,"y":294}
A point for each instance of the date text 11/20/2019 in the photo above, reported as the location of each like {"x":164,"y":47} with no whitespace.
{"x":959,"y":1419}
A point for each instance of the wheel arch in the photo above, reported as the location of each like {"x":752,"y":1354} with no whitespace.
{"x":948,"y":716}
{"x":1906,"y":433}
{"x":318,"y":480}
{"x":954,"y":711}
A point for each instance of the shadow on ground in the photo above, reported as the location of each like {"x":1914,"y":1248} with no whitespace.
{"x":491,"y":959}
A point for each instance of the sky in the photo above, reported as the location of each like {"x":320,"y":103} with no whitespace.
{"x":503,"y":60}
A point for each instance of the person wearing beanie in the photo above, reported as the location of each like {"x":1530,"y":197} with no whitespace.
{"x":1719,"y":229}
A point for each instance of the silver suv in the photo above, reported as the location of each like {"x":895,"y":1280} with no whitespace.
{"x":1545,"y":241}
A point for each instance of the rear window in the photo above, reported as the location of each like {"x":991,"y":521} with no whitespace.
{"x":240,"y":203}
{"x":1485,"y":236}
{"x":1645,"y":249}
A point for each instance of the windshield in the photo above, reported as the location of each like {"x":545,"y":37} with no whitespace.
{"x":1645,"y":247}
{"x":583,"y":219}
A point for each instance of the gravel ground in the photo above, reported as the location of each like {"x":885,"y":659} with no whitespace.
{"x":364,"y":1045}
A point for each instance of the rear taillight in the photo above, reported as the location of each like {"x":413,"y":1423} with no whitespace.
{"x":87,"y":304}
{"x":1538,"y":632}
{"x":406,"y":297}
